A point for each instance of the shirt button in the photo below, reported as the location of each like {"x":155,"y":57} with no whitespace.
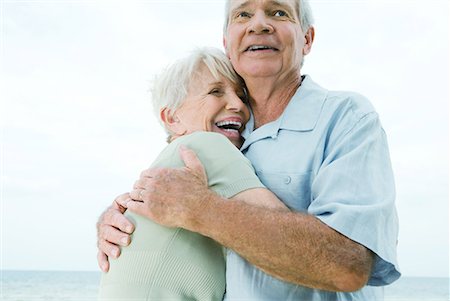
{"x":287,"y":180}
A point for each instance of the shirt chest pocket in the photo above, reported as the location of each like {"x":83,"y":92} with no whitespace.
{"x":294,"y":189}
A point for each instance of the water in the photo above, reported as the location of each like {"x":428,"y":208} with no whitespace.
{"x":418,"y":289}
{"x":49,"y":285}
{"x":82,"y":286}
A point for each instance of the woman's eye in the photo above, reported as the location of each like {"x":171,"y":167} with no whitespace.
{"x":216,"y":92}
{"x":280,"y":13}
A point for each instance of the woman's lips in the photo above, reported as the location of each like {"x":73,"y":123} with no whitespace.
{"x":229,"y":127}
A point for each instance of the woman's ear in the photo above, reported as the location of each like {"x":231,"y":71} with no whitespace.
{"x":166,"y":116}
{"x":172,"y":122}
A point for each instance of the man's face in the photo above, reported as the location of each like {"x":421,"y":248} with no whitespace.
{"x":264,"y":38}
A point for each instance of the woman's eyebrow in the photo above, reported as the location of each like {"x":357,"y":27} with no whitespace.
{"x":217,"y":83}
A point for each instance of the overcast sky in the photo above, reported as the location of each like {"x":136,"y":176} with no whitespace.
{"x":77,"y":123}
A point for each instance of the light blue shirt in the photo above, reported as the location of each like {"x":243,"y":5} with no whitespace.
{"x":326,"y":155}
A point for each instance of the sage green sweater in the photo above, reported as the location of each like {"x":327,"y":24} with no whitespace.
{"x":172,"y":263}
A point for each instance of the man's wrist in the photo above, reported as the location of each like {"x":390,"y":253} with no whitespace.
{"x":200,"y":218}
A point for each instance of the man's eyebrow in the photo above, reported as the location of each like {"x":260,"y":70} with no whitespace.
{"x":239,"y":7}
{"x":280,"y":3}
{"x":271,"y":3}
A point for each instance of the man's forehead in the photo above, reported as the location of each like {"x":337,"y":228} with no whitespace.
{"x":241,"y":3}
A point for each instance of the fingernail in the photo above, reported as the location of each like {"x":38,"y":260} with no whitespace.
{"x":129,"y":229}
{"x":104,"y":268}
{"x":124,"y":241}
{"x":115,"y":253}
{"x":183,"y":147}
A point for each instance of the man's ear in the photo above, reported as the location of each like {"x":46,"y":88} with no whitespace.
{"x":224,"y":41}
{"x":309,"y":39}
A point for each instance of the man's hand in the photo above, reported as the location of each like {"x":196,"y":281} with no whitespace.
{"x":172,"y":197}
{"x":113,"y":229}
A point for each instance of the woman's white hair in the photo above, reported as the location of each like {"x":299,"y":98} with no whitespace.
{"x":170,"y":88}
{"x":303,"y":10}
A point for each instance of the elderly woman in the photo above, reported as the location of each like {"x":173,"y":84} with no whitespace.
{"x":196,"y":96}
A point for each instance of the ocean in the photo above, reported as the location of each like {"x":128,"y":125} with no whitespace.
{"x":83,"y":286}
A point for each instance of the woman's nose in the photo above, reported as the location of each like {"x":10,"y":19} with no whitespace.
{"x":260,"y":24}
{"x":234,"y":103}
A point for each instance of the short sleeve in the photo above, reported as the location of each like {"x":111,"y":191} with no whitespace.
{"x":228,"y":171}
{"x":354,"y":192}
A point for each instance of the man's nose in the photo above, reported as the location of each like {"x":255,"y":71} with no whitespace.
{"x":260,"y":23}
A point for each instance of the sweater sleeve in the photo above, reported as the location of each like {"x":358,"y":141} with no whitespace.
{"x":228,"y":171}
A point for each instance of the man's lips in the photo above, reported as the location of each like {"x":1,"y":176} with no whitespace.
{"x":259,"y":47}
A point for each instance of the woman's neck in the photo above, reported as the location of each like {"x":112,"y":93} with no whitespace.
{"x":269,"y":99}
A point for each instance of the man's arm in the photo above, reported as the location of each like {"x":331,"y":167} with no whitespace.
{"x":294,"y":247}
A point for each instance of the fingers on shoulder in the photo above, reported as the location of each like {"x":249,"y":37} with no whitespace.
{"x":141,"y":208}
{"x":192,"y":161}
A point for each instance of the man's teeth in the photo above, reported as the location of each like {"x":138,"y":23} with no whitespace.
{"x":258,"y":47}
{"x":229,"y":125}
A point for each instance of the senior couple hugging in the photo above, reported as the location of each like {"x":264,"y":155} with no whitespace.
{"x":299,"y":206}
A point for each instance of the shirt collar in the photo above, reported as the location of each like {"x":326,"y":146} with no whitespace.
{"x":303,"y":111}
{"x":301,"y":114}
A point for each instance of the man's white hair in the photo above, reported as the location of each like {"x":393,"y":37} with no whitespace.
{"x":304,"y":14}
{"x":170,"y":88}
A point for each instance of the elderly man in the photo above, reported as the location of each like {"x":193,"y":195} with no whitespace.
{"x":323,"y":153}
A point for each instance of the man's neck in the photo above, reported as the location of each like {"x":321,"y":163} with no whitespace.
{"x":268,"y":100}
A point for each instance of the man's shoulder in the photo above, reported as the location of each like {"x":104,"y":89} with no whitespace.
{"x":336,"y":102}
{"x":349,"y":102}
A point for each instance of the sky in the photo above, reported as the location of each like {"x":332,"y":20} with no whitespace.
{"x":77,"y":125}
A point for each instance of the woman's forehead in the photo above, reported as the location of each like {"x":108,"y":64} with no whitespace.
{"x":210,"y":75}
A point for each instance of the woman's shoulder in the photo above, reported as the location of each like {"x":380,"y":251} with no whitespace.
{"x":201,"y":137}
{"x":206,"y":141}
{"x":208,"y":146}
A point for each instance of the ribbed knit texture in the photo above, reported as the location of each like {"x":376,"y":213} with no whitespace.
{"x":175,"y":264}
{"x":158,"y":270}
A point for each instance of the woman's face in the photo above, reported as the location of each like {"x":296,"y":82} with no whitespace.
{"x":211,"y":105}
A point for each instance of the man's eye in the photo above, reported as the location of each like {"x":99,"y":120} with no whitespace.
{"x":242,"y":14}
{"x":279,"y":13}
